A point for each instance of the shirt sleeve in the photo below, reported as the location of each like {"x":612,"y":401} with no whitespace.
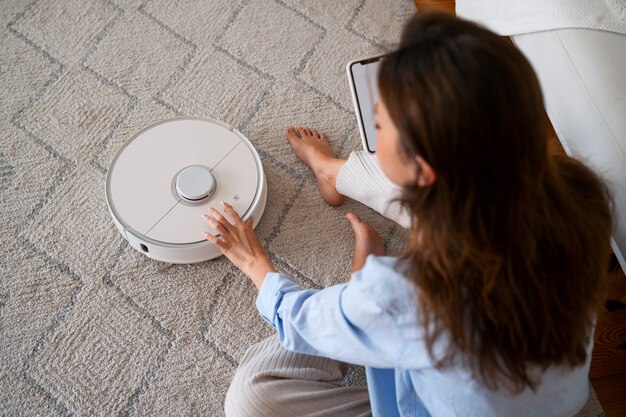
{"x":343,"y":322}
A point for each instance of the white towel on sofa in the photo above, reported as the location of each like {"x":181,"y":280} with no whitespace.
{"x":514,"y":17}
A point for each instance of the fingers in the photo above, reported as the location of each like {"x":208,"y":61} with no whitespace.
{"x":222,"y":225}
{"x":218,"y":216}
{"x":214,"y":240}
{"x":218,"y":226}
{"x":234,"y":216}
{"x":218,"y":222}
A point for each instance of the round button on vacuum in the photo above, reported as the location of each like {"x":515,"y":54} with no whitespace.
{"x":195,"y":183}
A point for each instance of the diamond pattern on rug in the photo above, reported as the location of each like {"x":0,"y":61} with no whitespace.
{"x":10,"y":9}
{"x":75,"y":225}
{"x":325,"y":256}
{"x":128,"y":5}
{"x":89,"y":367}
{"x":282,"y":57}
{"x":24,"y":72}
{"x":143,"y":115}
{"x":176,"y":295}
{"x":330,"y":261}
{"x":326,"y":70}
{"x":332,"y":12}
{"x":193,"y":380}
{"x":146,"y":55}
{"x":282,"y":189}
{"x":66,"y":29}
{"x":200,"y":90}
{"x":32,"y":294}
{"x":76,"y":114}
{"x":30,"y":172}
{"x":233,"y":324}
{"x":376,"y":19}
{"x":198,"y":20}
{"x":7,"y":170}
{"x":96,"y":327}
{"x":300,"y":106}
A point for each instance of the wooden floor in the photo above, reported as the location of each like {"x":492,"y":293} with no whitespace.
{"x":608,"y":363}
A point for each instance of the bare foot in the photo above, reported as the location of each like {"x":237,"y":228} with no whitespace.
{"x":313,"y":149}
{"x":367,"y":241}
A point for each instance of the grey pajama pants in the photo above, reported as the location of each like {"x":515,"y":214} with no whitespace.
{"x":272,"y":381}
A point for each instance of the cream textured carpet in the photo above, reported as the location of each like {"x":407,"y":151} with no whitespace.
{"x":90,"y":326}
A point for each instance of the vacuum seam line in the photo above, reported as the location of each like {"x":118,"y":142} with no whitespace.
{"x":162,"y":217}
{"x":224,"y":157}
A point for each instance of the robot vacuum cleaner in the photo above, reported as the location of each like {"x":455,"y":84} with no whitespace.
{"x":166,"y":176}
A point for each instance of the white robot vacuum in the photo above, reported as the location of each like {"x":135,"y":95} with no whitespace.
{"x":166,"y":176}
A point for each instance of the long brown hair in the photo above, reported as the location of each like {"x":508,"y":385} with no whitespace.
{"x":510,"y":245}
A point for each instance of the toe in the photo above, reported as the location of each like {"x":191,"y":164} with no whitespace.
{"x":353,"y":219}
{"x":356,"y":223}
{"x":316,"y":134}
{"x":291,"y":134}
{"x":308,"y":131}
{"x":301,"y":132}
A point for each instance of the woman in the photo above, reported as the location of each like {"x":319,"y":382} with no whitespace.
{"x":491,"y":309}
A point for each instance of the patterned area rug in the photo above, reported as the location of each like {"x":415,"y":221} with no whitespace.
{"x":89,"y":325}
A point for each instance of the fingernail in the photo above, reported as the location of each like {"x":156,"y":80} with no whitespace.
{"x":222,"y":203}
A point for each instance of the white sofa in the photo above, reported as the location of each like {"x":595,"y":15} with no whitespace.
{"x":583,"y":77}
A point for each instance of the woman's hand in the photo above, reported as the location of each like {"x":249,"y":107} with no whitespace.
{"x":367,"y":241}
{"x":239,"y":243}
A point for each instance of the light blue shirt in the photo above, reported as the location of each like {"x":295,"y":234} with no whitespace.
{"x":372,"y":320}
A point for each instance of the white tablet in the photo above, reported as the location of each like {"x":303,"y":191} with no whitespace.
{"x":362,"y":75}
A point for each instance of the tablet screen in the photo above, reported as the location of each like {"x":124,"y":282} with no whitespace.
{"x":365,"y":90}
